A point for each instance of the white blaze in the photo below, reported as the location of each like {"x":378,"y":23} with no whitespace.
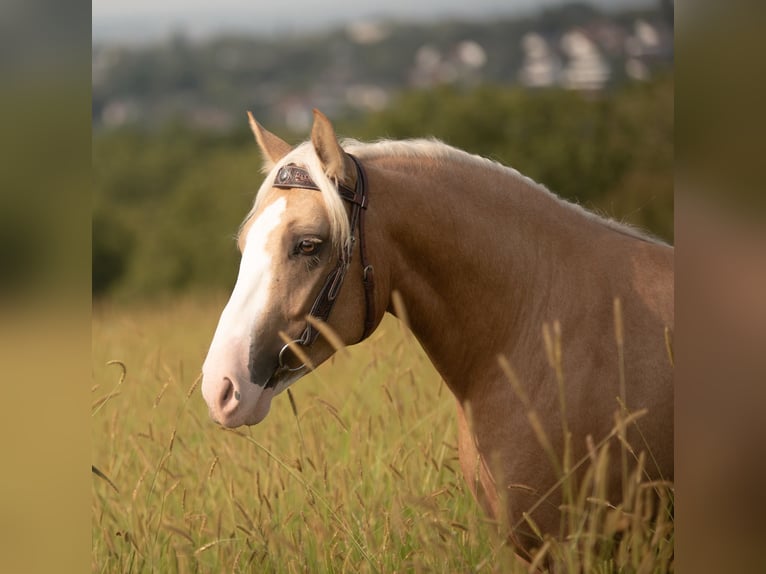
{"x":230,"y":349}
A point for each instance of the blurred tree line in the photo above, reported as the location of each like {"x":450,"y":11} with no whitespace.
{"x":167,"y":203}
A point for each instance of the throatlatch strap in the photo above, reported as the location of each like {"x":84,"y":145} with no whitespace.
{"x":368,"y":272}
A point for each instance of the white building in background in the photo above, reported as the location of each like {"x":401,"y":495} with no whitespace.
{"x":586,"y":68}
{"x":470,"y":54}
{"x":462,"y":63}
{"x":367,"y":97}
{"x":541,"y":66}
{"x":645,"y":42}
{"x":367,"y":32}
{"x":119,"y":112}
{"x":425,"y":72}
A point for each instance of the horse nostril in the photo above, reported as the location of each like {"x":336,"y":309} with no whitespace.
{"x":228,"y":391}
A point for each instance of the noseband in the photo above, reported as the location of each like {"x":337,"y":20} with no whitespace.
{"x":293,"y":176}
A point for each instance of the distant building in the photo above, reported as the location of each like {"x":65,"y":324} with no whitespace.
{"x":541,"y":67}
{"x":575,"y":63}
{"x":209,"y":83}
{"x":367,"y":32}
{"x":119,"y":112}
{"x":367,"y":97}
{"x":462,"y":64}
{"x":470,"y":55}
{"x":641,"y":47}
{"x":586,"y":68}
{"x":428,"y":61}
{"x":295,"y":113}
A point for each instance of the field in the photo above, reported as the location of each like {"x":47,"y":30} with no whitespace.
{"x":358,"y":472}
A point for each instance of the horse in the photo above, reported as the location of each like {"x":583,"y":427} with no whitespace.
{"x":483,"y":259}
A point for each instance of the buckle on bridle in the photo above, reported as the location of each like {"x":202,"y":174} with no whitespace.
{"x":282,"y":365}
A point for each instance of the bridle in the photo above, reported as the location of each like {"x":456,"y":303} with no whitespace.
{"x":293,"y":176}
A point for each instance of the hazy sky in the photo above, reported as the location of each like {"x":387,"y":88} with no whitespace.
{"x":120,"y":19}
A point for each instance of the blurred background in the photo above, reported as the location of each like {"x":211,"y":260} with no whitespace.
{"x":578,"y":96}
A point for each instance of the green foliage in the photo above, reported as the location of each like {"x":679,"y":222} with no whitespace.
{"x":166,"y":210}
{"x":168,"y":203}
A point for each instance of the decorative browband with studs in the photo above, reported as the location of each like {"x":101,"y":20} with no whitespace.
{"x":294,"y":176}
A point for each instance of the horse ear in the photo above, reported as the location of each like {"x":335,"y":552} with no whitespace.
{"x":272,"y":147}
{"x":328,"y":149}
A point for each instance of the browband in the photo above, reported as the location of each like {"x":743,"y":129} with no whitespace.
{"x":293,"y":176}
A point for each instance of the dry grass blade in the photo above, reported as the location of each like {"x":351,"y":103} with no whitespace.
{"x":98,"y":405}
{"x":209,"y":545}
{"x":193,"y":386}
{"x":212,"y":468}
{"x":328,"y":333}
{"x":625,"y":411}
{"x":399,"y":309}
{"x":179,"y":531}
{"x":311,"y":490}
{"x":98,"y":402}
{"x":244,"y":513}
{"x":161,"y":393}
{"x":102,"y":476}
{"x":534,"y":566}
{"x":545,"y":443}
{"x":630,"y":419}
{"x":334,"y":412}
{"x":122,"y":367}
{"x":669,"y":346}
{"x":172,"y":440}
{"x":379,"y":488}
{"x":621,"y":426}
{"x":294,"y":408}
{"x":510,"y":374}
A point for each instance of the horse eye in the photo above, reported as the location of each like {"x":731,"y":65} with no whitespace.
{"x":307,"y":247}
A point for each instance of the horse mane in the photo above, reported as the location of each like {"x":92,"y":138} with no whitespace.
{"x":426,"y":148}
{"x":434,"y":149}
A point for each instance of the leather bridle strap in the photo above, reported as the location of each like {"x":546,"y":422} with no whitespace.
{"x":368,"y":272}
{"x":293,"y":176}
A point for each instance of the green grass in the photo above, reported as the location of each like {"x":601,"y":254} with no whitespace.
{"x":364,"y":479}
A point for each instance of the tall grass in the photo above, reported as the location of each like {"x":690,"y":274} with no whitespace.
{"x":356,"y":471}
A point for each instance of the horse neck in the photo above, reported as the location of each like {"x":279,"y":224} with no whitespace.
{"x":475,"y":253}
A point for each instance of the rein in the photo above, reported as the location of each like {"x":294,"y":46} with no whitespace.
{"x":293,"y":176}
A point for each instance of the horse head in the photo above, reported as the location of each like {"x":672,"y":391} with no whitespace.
{"x":297,"y":245}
